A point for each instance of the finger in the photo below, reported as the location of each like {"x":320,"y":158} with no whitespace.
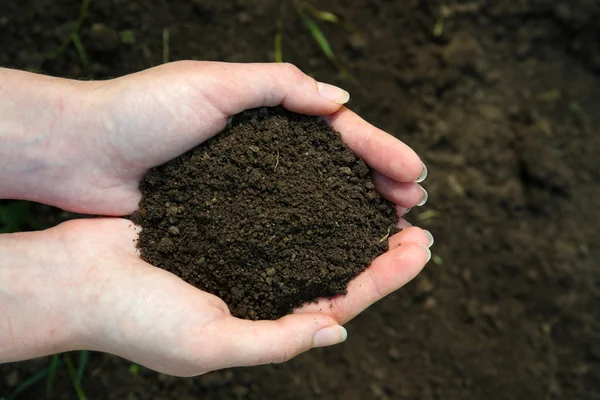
{"x":402,"y":223}
{"x":387,"y":273}
{"x":411,"y":235}
{"x":233,"y":88}
{"x":383,"y":152}
{"x":401,"y":212}
{"x":404,"y":194}
{"x":245,"y":343}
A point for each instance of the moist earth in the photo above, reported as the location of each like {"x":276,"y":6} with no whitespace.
{"x":272,"y":213}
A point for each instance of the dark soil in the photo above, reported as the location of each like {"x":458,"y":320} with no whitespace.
{"x":501,"y":102}
{"x":272,"y":213}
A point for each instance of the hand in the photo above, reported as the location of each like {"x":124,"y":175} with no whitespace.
{"x":105,"y":136}
{"x":92,"y":291}
{"x":93,"y":161}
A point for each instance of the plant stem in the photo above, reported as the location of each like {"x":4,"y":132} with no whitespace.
{"x":73,"y":375}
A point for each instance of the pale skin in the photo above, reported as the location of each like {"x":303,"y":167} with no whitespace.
{"x":85,"y":146}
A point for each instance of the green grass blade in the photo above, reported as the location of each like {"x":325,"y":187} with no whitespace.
{"x":330,"y":17}
{"x":83,"y":359}
{"x":166,"y":45}
{"x":60,"y":50}
{"x":324,"y":44}
{"x":438,"y":29}
{"x":81,"y":52}
{"x":83,"y":13}
{"x":278,"y":44}
{"x":325,"y":16}
{"x":134,"y":369}
{"x":73,"y":375}
{"x":32,"y":381}
{"x":278,"y":53}
{"x":52,"y":374}
{"x":317,"y":35}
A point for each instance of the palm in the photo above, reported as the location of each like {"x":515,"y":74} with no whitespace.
{"x":139,"y":296}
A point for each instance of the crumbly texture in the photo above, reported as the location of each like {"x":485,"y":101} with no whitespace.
{"x":272,"y":213}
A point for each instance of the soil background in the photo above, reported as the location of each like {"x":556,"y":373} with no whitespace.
{"x":502,"y":105}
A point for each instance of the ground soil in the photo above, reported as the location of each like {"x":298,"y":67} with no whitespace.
{"x":501,"y":100}
{"x":272,"y":213}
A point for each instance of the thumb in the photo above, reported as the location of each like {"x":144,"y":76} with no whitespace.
{"x":249,"y":343}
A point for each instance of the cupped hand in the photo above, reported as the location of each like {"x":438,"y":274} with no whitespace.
{"x":119,"y":129}
{"x":113,"y":132}
{"x":145,"y":314}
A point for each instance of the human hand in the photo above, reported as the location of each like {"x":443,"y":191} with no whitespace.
{"x":92,"y":162}
{"x":106,"y":135}
{"x":90,"y":290}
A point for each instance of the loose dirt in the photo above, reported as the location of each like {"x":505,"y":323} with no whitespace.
{"x":272,"y":213}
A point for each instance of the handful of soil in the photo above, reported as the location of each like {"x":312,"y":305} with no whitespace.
{"x":272,"y":213}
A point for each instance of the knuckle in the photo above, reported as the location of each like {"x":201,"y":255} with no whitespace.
{"x":292,"y":70}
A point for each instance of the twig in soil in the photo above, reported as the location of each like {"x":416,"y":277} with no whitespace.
{"x":166,"y":50}
{"x":387,"y":235}
{"x":277,"y":162}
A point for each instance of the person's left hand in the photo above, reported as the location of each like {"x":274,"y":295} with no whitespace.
{"x":92,"y":291}
{"x":110,"y":133}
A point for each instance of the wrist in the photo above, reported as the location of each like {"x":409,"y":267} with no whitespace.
{"x":42,"y":304}
{"x":38,"y":116}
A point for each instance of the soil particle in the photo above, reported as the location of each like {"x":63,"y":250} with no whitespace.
{"x":272,"y":213}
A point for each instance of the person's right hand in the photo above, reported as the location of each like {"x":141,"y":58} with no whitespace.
{"x":104,"y":136}
{"x":81,"y":285}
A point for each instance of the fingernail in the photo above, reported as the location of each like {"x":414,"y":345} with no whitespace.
{"x":333,"y":93}
{"x":407,"y":211}
{"x":429,"y":236}
{"x":427,"y":251}
{"x":423,"y":174}
{"x":329,"y":336}
{"x":425,"y":197}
